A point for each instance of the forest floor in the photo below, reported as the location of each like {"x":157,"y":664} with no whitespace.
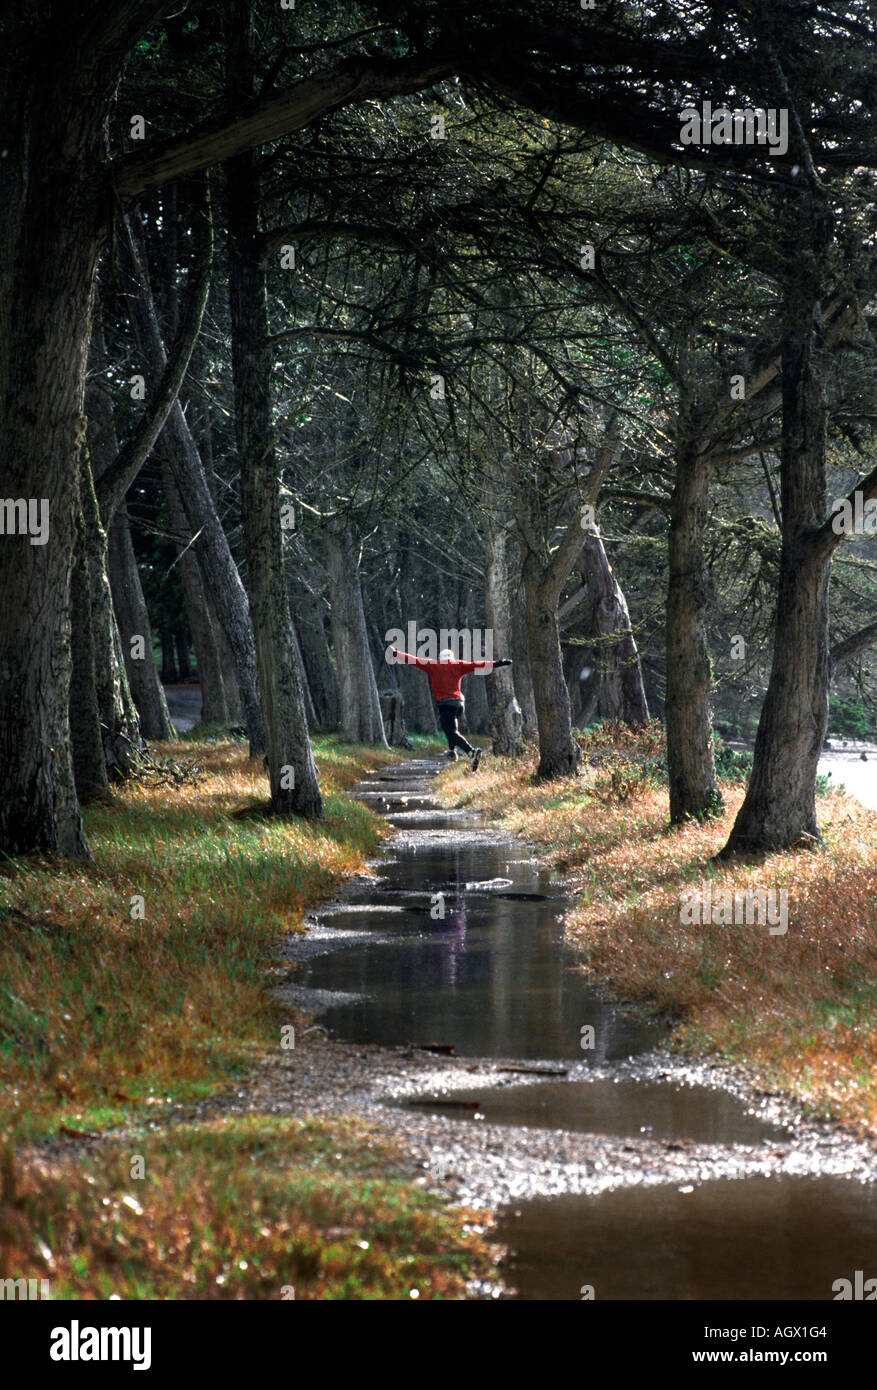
{"x":797,"y":1009}
{"x":132,"y":997}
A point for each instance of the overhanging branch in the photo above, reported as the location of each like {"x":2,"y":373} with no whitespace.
{"x":246,"y":127}
{"x":851,"y":647}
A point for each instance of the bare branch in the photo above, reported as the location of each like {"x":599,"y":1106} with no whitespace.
{"x":851,"y":647}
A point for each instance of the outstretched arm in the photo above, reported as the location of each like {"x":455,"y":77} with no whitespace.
{"x":408,"y":660}
{"x":483,"y":667}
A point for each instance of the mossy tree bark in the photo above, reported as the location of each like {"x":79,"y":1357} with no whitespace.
{"x":694,"y":788}
{"x":89,"y":763}
{"x":779,"y":809}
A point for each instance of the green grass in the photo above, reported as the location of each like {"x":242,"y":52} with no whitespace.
{"x":104,"y":1011}
{"x":254,"y":1207}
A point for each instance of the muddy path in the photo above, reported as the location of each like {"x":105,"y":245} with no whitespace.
{"x":443,"y":1005}
{"x":184,"y":706}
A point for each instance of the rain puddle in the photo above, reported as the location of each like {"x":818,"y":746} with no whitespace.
{"x":490,"y":978}
{"x":759,"y":1238}
{"x":659,"y":1109}
{"x":457,"y":946}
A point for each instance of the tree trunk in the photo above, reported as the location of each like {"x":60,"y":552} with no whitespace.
{"x":119,"y":720}
{"x":130,"y":717}
{"x":361,"y":720}
{"x":49,"y":241}
{"x":136,"y":633}
{"x":307,"y":697}
{"x":547,"y":564}
{"x":214,"y":709}
{"x":559,"y":754}
{"x":694,"y":790}
{"x":477,"y":705}
{"x":219,"y":571}
{"x":89,"y":765}
{"x":291,"y":768}
{"x":169,"y":673}
{"x":583,"y":690}
{"x":317,"y":660}
{"x":520,"y":652}
{"x":616,"y":657}
{"x":230,"y":686}
{"x":506,"y":721}
{"x":779,"y":810}
{"x":181,"y":646}
{"x":120,"y":724}
{"x":420,"y":707}
{"x":393,"y":710}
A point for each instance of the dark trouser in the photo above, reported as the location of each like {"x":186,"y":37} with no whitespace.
{"x":448,"y":716}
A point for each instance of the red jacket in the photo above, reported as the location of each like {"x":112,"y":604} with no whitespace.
{"x":445,"y":676}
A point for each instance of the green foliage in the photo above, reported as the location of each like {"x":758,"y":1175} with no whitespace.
{"x":849,"y":718}
{"x":735,"y":719}
{"x":731,"y":765}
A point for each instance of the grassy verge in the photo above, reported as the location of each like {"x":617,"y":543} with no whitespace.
{"x":255,"y":1207}
{"x":137,"y":980}
{"x":136,"y":983}
{"x":799,"y":1009}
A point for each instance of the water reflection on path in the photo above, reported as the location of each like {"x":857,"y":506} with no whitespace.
{"x":762,"y":1238}
{"x":461,"y":947}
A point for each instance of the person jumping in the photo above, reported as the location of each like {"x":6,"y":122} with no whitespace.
{"x":445,"y":677}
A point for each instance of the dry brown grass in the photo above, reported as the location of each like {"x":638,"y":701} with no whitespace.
{"x":800,"y":1009}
